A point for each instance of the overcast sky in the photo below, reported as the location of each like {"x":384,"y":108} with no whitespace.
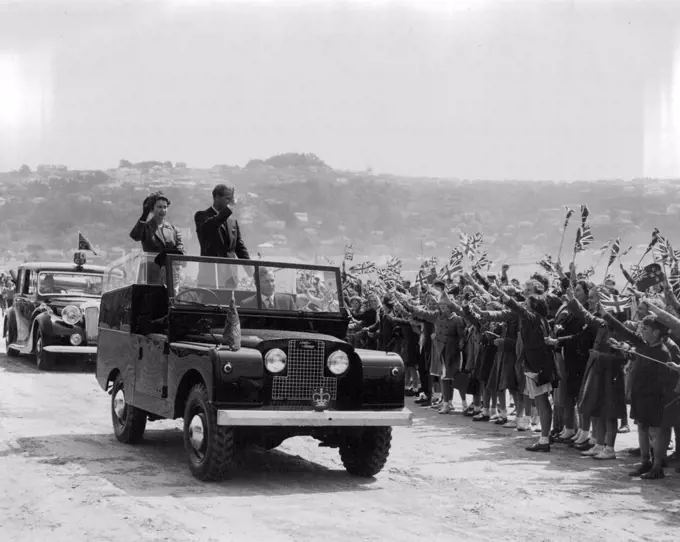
{"x":470,"y":89}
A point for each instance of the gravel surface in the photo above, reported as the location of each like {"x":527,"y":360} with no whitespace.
{"x":65,"y":477}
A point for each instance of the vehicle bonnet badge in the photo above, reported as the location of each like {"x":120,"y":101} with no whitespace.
{"x":321,"y":399}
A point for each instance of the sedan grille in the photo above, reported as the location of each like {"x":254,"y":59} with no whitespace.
{"x":306,"y":368}
{"x":91,"y":315}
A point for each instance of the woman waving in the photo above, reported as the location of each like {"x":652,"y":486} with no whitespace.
{"x":155,"y":233}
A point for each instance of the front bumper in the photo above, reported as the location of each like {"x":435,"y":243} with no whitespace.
{"x":76,"y":350}
{"x":309,"y":418}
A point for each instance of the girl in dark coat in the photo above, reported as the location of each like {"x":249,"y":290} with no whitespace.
{"x":538,"y":361}
{"x":649,"y":391}
{"x":576,"y":340}
{"x":602,"y":395}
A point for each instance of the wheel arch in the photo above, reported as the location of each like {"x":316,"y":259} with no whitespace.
{"x":189,"y":380}
{"x":39,"y":321}
{"x":111,"y":378}
{"x":9,"y":317}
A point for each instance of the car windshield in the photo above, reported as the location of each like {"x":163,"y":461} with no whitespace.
{"x":282,"y":287}
{"x":60,"y":283}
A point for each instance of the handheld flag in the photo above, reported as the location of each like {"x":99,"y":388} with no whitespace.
{"x":614,"y":251}
{"x":583,"y":238}
{"x":615,"y":303}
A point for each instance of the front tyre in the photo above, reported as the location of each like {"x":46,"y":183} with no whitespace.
{"x":211,"y":448}
{"x":129,"y":422}
{"x":364,"y":454}
{"x":43,"y":360}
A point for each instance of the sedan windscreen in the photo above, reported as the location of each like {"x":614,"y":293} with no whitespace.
{"x":59,"y":283}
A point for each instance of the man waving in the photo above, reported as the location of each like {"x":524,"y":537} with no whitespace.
{"x":218,"y":233}
{"x":219,"y":236}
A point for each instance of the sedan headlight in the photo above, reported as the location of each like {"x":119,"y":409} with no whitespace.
{"x":71,"y":314}
{"x":275,"y":360}
{"x":337,"y":362}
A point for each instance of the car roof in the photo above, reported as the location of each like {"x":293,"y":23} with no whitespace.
{"x":62,"y":266}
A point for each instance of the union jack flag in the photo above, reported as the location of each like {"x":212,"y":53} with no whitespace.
{"x":615,"y":303}
{"x":375,"y":288}
{"x":468,"y":245}
{"x":663,"y":252}
{"x":395,"y":262}
{"x":584,"y":237}
{"x":614,"y":252}
{"x":427,"y":272}
{"x":456,"y":261}
{"x":449,"y":271}
{"x":387,"y":274}
{"x":547,"y":264}
{"x":655,"y":239}
{"x":674,"y":281}
{"x":606,"y":245}
{"x":482,"y":262}
{"x":456,"y":255}
{"x":478,"y":239}
{"x":584,"y":214}
{"x":636,"y":271}
{"x":363,"y":268}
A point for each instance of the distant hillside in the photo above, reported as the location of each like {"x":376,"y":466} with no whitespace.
{"x":295,"y":204}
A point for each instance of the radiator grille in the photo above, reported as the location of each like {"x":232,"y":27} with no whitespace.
{"x":91,"y":323}
{"x":306,"y":364}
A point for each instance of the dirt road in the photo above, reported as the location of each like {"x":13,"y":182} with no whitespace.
{"x":64,"y":477}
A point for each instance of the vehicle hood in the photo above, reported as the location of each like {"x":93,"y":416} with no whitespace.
{"x":251,"y":338}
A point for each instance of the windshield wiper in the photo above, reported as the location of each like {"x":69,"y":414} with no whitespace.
{"x":204,"y":326}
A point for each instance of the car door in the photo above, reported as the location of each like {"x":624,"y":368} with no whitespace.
{"x":22,"y":310}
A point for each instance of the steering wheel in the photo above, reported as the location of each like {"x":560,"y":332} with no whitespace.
{"x":198,"y":289}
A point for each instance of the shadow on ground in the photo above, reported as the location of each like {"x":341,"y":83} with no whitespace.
{"x":25,"y":364}
{"x":565,"y":468}
{"x":158,"y":467}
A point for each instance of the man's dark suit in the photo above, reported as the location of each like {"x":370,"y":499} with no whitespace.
{"x":282,"y":302}
{"x":219,"y":234}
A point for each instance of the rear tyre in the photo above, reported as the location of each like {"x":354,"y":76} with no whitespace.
{"x":129,"y":422}
{"x":211,"y":448}
{"x":43,"y":360}
{"x":364,"y":454}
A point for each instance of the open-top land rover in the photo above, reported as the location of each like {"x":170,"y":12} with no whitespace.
{"x":165,"y":352}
